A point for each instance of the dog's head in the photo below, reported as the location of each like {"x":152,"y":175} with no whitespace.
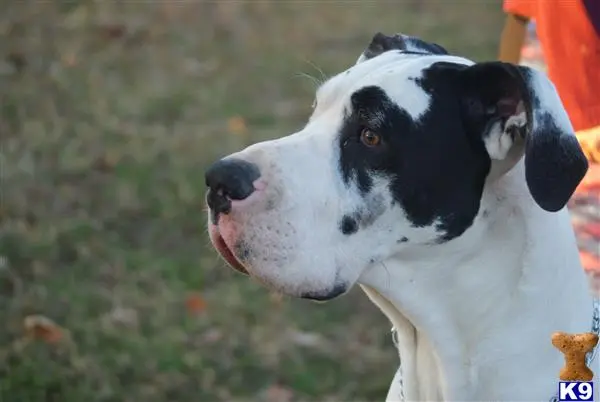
{"x":395,"y":155}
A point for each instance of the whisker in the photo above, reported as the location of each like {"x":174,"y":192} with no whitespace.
{"x":312,"y":79}
{"x":319,"y":70}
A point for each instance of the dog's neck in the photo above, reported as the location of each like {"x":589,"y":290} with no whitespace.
{"x":475,"y":318}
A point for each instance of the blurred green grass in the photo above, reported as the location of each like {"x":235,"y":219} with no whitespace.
{"x":109,"y":112}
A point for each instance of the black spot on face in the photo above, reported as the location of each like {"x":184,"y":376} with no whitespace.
{"x":436,"y":169}
{"x":348,"y":225}
{"x":403,"y":239}
{"x":363,"y":217}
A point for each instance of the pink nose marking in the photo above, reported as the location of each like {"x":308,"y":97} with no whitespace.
{"x":228,"y":229}
{"x":259,"y":184}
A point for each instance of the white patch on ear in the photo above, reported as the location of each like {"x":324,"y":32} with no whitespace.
{"x":499,"y":141}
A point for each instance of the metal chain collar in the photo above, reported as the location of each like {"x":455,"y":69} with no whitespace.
{"x":588,"y":360}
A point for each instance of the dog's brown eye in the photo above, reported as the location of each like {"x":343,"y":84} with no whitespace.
{"x":369,"y":138}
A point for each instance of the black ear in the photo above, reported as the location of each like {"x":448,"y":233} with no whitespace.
{"x":382,"y":43}
{"x":518,"y":111}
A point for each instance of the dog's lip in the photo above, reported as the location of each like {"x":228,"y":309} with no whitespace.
{"x":225,"y":252}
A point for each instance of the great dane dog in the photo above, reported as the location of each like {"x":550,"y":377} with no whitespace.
{"x":439,"y":186}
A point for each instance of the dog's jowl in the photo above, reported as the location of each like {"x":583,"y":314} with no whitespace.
{"x":437,"y":184}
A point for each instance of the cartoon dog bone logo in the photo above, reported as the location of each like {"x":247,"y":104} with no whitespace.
{"x":575,"y":347}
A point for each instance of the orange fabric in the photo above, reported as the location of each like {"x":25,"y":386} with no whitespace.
{"x":524,"y":8}
{"x":590,"y":143}
{"x":587,"y":195}
{"x":591,"y":181}
{"x":571,"y":53}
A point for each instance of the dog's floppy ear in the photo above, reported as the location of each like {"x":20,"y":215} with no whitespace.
{"x":382,"y":43}
{"x":518,"y":111}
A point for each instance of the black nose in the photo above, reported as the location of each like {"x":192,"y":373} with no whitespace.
{"x":229,"y":179}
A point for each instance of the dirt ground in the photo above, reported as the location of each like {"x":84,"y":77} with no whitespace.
{"x":109,"y":112}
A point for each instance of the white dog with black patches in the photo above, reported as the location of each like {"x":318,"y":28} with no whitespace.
{"x":439,"y":186}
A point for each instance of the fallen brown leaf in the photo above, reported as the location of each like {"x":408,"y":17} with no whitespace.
{"x":237,"y":125}
{"x":69,"y":59}
{"x":112,"y":31}
{"x":43,"y":328}
{"x":195,"y":304}
{"x":106,"y":163}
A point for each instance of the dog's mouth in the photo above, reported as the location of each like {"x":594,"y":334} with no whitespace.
{"x":225,"y":251}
